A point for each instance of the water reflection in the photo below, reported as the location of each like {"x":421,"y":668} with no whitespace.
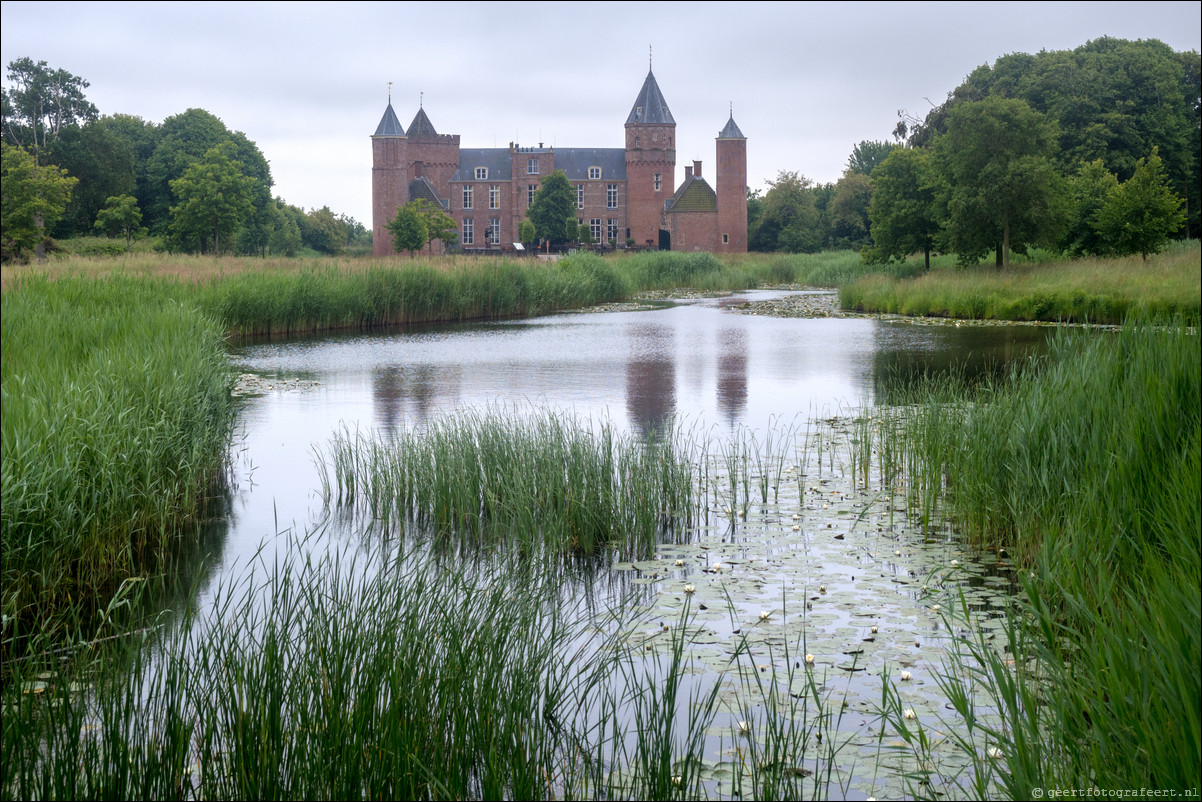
{"x":732,"y":374}
{"x":651,"y":377}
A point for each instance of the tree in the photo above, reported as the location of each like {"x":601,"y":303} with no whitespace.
{"x":121,"y":215}
{"x":285,"y":235}
{"x":409,"y":232}
{"x":904,"y":212}
{"x":102,"y":160}
{"x":1140,"y":214}
{"x":789,"y":219}
{"x":323,"y":231}
{"x":439,"y":225}
{"x":867,"y":155}
{"x":41,"y":103}
{"x":554,"y":204}
{"x":214,"y":198}
{"x":848,"y":212}
{"x":526,"y":232}
{"x":1090,"y":188}
{"x":34,"y":197}
{"x":1005,"y":192}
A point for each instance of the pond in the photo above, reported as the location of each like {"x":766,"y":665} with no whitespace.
{"x":798,"y":564}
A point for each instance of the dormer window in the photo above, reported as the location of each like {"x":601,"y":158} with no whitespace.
{"x":481,"y":173}
{"x":594,"y":173}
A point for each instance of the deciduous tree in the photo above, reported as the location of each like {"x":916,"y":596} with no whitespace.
{"x":904,"y":213}
{"x":121,"y":216}
{"x":409,"y":232}
{"x":214,"y":197}
{"x":1142,"y":213}
{"x":40,"y":102}
{"x":554,"y":204}
{"x":34,"y":197}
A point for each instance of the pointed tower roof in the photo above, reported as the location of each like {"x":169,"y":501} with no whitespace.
{"x":421,"y":125}
{"x":650,"y":106}
{"x":731,"y":131}
{"x":389,"y":124}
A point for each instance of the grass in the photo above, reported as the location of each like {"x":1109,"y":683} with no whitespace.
{"x":538,"y":484}
{"x":1085,"y":290}
{"x":116,"y":419}
{"x":398,"y":674}
{"x":1089,"y":469}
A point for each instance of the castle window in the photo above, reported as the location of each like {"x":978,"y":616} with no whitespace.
{"x":611,"y":196}
{"x":469,"y":231}
{"x":494,"y":197}
{"x":467,"y":196}
{"x":532,"y":166}
{"x":726,"y":239}
{"x":530,"y":190}
{"x":481,"y":173}
{"x":636,"y":142}
{"x":594,"y":172}
{"x":659,"y":182}
{"x":580,"y":196}
{"x":594,"y":228}
{"x":494,"y":231}
{"x":611,"y":229}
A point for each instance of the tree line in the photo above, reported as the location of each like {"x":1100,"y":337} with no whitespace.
{"x":1093,"y":151}
{"x":190,"y":181}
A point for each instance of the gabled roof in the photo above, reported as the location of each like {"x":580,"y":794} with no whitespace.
{"x":694,"y":195}
{"x":421,"y":125}
{"x":576,"y":161}
{"x":422,"y":188}
{"x":731,"y":131}
{"x":650,"y":106}
{"x":495,"y":159}
{"x":389,"y":124}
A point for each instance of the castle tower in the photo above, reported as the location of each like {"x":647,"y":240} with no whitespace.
{"x":731,"y":187}
{"x":432,"y":155}
{"x":389,"y":178}
{"x":650,"y":162}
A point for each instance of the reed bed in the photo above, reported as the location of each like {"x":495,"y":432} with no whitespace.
{"x":1088,"y":468}
{"x":543,"y":483}
{"x":117,"y":415}
{"x":1083,"y":291}
{"x":395,"y":674}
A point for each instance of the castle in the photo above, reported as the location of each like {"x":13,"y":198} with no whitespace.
{"x":623,"y":195}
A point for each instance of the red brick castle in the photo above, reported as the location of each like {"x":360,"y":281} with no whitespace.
{"x":621,"y":193}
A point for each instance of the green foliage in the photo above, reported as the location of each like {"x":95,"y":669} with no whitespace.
{"x":40,"y":103}
{"x":554,"y":204}
{"x":104,"y":163}
{"x":323,"y":232}
{"x":409,"y":232}
{"x":1140,"y":214}
{"x":1090,"y":188}
{"x":848,"y":215}
{"x":439,"y":225}
{"x":285,"y":235}
{"x":904,"y":214}
{"x":215,"y":196}
{"x":788,"y":219}
{"x":121,"y":215}
{"x":867,"y":155}
{"x":34,"y":198}
{"x":526,"y":232}
{"x":1004,"y":190}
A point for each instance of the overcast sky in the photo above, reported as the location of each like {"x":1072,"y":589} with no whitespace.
{"x":308,"y":82}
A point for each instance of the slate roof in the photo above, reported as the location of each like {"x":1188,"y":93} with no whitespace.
{"x":495,"y":159}
{"x":389,"y":124}
{"x":731,"y":131}
{"x":650,"y":106}
{"x":576,"y":161}
{"x":421,"y":125}
{"x":422,"y":188}
{"x":694,"y":195}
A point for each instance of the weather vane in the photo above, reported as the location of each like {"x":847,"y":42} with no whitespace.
{"x":390,"y":93}
{"x":650,"y":53}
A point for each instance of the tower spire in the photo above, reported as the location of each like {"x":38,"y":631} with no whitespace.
{"x":650,"y":56}
{"x":390,"y":93}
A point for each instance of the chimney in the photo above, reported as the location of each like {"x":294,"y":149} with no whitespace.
{"x":697,"y":168}
{"x":688,"y":172}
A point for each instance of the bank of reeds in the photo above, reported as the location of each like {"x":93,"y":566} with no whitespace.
{"x":396,"y":675}
{"x":116,"y":420}
{"x":1088,"y":468}
{"x":544,"y":483}
{"x":1082,"y":291}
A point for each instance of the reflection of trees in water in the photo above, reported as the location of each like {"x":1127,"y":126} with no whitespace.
{"x":651,"y":377}
{"x":908,"y":356}
{"x":732,"y":374}
{"x":394,"y":386}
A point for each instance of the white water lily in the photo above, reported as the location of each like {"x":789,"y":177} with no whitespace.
{"x":935,"y":608}
{"x":716,"y":566}
{"x":796,"y":517}
{"x":955,"y":563}
{"x":897,"y":553}
{"x":764,"y":615}
{"x":796,"y":528}
{"x":906,"y":676}
{"x":822,"y":588}
{"x":994,"y":753}
{"x":744,"y":727}
{"x":874,"y":629}
{"x":809,"y":659}
{"x":679,"y":563}
{"x":689,"y":588}
{"x":909,"y":714}
{"x":677,"y":780}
